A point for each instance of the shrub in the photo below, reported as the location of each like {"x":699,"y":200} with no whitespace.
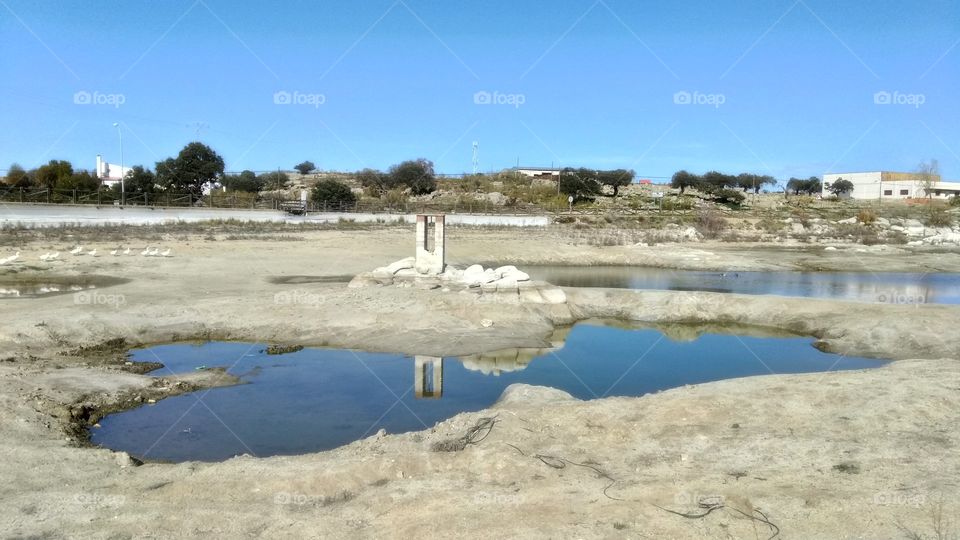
{"x":866,"y":216}
{"x":729,"y":196}
{"x":955,"y":200}
{"x":333,"y":193}
{"x":395,"y":198}
{"x":939,"y":217}
{"x":710,"y":223}
{"x":677,"y":203}
{"x":416,"y":174}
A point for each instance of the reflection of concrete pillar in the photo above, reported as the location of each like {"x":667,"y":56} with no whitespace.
{"x":427,"y":377}
{"x":430,"y":257}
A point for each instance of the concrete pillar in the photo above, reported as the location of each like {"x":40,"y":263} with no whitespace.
{"x":430,"y":259}
{"x":427,"y":377}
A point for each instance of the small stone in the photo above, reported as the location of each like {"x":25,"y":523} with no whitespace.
{"x":486,"y":323}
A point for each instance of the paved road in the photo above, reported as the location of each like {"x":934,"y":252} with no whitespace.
{"x":43,"y":215}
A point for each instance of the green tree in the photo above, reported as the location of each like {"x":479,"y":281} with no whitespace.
{"x":682,"y":180}
{"x":813,"y":185}
{"x":139,"y":180}
{"x":840,"y":187}
{"x":796,"y":185}
{"x":247,"y":181}
{"x":305,"y":168}
{"x":80,"y":181}
{"x":17,"y":177}
{"x":415,"y":174}
{"x":616,"y":179}
{"x":583,"y":184}
{"x":755,"y":182}
{"x":53,"y":173}
{"x":718,"y":180}
{"x":331,"y":193}
{"x":374,"y":180}
{"x":195,"y":166}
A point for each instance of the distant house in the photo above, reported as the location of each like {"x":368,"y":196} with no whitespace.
{"x":109,"y":173}
{"x":538,"y":172}
{"x":883,"y":185}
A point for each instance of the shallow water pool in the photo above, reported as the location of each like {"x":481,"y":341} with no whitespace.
{"x":318,"y":399}
{"x":880,"y":287}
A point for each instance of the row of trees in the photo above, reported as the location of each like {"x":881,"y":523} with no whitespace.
{"x":714,"y":181}
{"x":57,"y":174}
{"x":195,"y":166}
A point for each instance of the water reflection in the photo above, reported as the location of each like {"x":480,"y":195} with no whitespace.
{"x":883,"y":287}
{"x":318,"y":399}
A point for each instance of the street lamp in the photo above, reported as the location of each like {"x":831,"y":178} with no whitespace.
{"x":123,"y":191}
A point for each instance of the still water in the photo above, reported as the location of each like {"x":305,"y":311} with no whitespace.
{"x":882,"y":287}
{"x":318,"y":399}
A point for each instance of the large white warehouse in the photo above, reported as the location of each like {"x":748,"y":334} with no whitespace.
{"x":881,"y":185}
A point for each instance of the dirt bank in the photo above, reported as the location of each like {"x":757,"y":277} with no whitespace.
{"x":849,"y":454}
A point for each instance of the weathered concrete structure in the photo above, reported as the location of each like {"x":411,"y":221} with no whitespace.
{"x":430,"y":256}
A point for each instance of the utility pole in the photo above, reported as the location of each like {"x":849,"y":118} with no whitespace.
{"x":123,"y":191}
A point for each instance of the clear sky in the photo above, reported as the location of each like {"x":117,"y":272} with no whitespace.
{"x":781,"y":87}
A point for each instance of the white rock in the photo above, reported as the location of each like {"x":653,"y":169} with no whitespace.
{"x":402,"y":264}
{"x":553,"y":295}
{"x":516,"y":275}
{"x":486,"y":323}
{"x":505,"y":269}
{"x":829,"y":248}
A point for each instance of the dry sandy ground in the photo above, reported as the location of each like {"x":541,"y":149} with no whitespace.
{"x":835,"y":455}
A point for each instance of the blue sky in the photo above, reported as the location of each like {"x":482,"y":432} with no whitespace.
{"x":781,"y":87}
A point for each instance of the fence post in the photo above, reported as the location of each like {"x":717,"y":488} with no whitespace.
{"x":48,"y":195}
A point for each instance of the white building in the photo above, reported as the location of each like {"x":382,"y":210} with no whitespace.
{"x":110,"y":173}
{"x":538,"y":172}
{"x":882,"y":185}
